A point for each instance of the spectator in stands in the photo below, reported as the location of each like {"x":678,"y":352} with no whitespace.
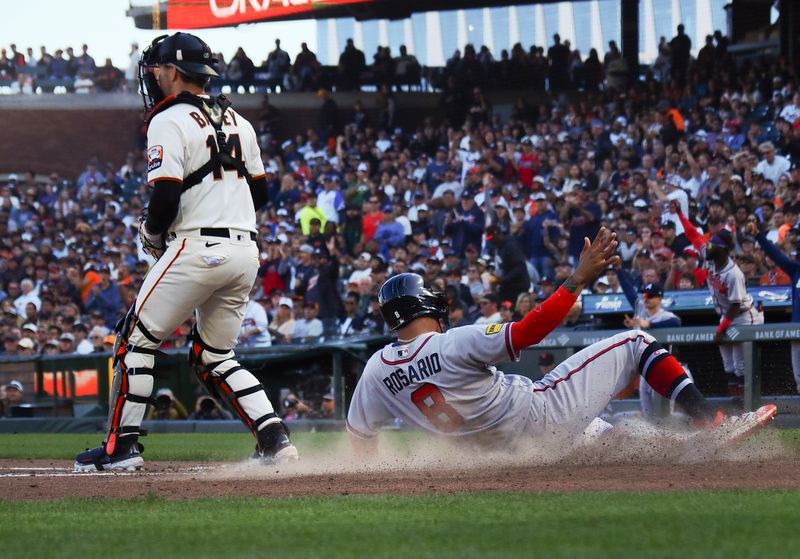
{"x":241,"y":69}
{"x":107,"y":77}
{"x":772,"y":166}
{"x":167,"y":406}
{"x":707,"y":55}
{"x":282,"y":327}
{"x":255,"y":324}
{"x":73,"y":64}
{"x":383,"y":66}
{"x":511,"y":271}
{"x":647,"y":311}
{"x":107,"y":343}
{"x":349,"y":324}
{"x":309,"y":212}
{"x":206,"y":409}
{"x":351,"y":65}
{"x":13,"y":397}
{"x":66,"y":343}
{"x":680,"y":49}
{"x":7,"y":70}
{"x":105,"y":297}
{"x":325,"y":291}
{"x":309,"y":328}
{"x":277,"y":65}
{"x":558,"y":59}
{"x":406,"y":67}
{"x":617,"y":71}
{"x":83,"y":83}
{"x":45,"y":58}
{"x":389,"y":233}
{"x":82,"y":343}
{"x":30,"y":294}
{"x":58,"y":67}
{"x":26,"y":347}
{"x":489,"y":309}
{"x":464,"y":223}
{"x":306,"y":67}
{"x":85,"y":61}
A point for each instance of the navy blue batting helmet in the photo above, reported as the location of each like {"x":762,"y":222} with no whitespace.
{"x":405,"y":297}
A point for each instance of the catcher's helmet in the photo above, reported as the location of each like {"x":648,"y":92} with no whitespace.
{"x":187,"y":52}
{"x":405,"y":297}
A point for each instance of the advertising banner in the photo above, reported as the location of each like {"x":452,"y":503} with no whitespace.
{"x":200,"y":14}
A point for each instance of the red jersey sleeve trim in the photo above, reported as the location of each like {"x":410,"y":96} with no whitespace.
{"x":541,"y":320}
{"x":691,"y":231}
{"x":514,"y":355}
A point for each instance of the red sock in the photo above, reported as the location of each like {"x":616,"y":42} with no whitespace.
{"x":663,"y":372}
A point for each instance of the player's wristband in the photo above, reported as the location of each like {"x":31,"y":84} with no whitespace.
{"x":723,"y":325}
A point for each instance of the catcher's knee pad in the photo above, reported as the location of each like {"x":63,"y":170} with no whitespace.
{"x":226,"y":379}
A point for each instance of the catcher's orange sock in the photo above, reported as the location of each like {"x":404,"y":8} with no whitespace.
{"x":663,"y":372}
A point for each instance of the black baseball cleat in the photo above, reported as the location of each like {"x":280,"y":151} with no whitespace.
{"x":274,"y":445}
{"x":127,"y":458}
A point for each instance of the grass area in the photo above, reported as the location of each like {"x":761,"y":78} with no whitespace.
{"x":167,"y":446}
{"x":704,"y":525}
{"x":203,"y":447}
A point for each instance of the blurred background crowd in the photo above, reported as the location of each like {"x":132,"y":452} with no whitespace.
{"x":490,"y":209}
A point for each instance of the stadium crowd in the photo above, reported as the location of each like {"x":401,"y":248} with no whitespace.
{"x":491,"y":211}
{"x":556,"y":68}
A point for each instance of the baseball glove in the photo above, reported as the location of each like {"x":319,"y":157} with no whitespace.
{"x":154,"y":245}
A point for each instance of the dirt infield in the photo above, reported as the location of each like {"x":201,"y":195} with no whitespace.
{"x":639,"y":460}
{"x":46,"y":479}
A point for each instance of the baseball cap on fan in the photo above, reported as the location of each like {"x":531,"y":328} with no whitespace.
{"x":652,"y":290}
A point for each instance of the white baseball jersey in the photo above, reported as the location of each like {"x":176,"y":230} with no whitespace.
{"x":445,"y":384}
{"x":255,"y":317}
{"x":180,"y":140}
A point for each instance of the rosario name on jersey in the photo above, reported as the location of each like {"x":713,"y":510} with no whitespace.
{"x":180,"y":140}
{"x":443,"y":383}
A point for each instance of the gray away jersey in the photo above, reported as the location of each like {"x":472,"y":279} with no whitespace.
{"x":660,"y":316}
{"x":443,"y":383}
{"x":728,"y":286}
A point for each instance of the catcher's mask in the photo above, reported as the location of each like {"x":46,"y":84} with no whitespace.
{"x":188,"y":53}
{"x":405,"y":297}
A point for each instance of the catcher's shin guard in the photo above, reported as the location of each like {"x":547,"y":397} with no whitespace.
{"x":132,"y":384}
{"x":227,"y":380}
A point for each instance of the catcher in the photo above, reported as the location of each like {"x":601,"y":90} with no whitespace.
{"x":446,"y":383}
{"x":208,"y":181}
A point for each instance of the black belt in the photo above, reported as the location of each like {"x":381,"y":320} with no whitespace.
{"x":223,"y":232}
